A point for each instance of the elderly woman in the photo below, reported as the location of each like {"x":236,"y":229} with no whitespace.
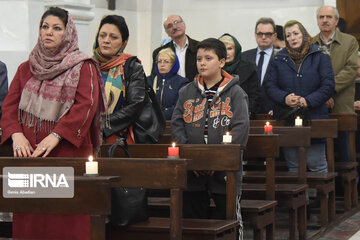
{"x":124,"y":80}
{"x":53,"y":109}
{"x":301,"y":75}
{"x":248,"y":78}
{"x":166,"y":82}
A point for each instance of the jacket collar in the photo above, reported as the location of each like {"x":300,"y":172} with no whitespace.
{"x":228,"y":81}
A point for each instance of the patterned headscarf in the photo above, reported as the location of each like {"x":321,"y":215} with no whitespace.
{"x":298,"y":54}
{"x":50,"y":93}
{"x":115,"y":82}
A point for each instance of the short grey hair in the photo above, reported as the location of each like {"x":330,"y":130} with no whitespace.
{"x":336,"y":11}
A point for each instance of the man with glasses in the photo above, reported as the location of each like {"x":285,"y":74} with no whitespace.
{"x":265,"y":36}
{"x":181,"y":44}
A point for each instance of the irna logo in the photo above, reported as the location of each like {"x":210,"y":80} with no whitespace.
{"x":22,"y":180}
{"x":38,"y":182}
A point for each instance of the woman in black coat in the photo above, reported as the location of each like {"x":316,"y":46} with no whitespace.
{"x":246,"y":71}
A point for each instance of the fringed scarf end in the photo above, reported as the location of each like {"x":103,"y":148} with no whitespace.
{"x":31,"y":121}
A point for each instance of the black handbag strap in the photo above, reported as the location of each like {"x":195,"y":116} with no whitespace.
{"x":120,"y":142}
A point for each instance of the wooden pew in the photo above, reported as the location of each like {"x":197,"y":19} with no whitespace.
{"x":323,"y":182}
{"x":262,"y":146}
{"x":348,"y":170}
{"x":294,"y":196}
{"x":259,"y":213}
{"x":157,"y":173}
{"x":198,"y":153}
{"x":91,"y":196}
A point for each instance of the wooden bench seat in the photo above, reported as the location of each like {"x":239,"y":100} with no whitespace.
{"x":259,"y":214}
{"x":155,"y":173}
{"x":348,"y":170}
{"x":269,"y":148}
{"x":193,"y":229}
{"x":198,"y":153}
{"x":327,"y":191}
{"x":323,"y":182}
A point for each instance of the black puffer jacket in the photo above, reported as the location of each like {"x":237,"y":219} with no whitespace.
{"x":134,"y":99}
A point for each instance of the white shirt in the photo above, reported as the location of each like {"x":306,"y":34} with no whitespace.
{"x":181,"y":53}
{"x":267,"y":57}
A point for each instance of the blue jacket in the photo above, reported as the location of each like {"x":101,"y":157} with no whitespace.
{"x":314,"y":80}
{"x":167,"y":88}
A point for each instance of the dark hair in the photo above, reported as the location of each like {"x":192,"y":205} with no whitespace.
{"x":265,"y":20}
{"x":342,"y":25}
{"x":280,"y":32}
{"x":62,"y":14}
{"x":213,"y":44}
{"x":119,"y":22}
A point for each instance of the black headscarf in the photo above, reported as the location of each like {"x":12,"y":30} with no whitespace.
{"x":231,"y":67}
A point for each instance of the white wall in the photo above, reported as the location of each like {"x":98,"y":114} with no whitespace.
{"x":203,"y":18}
{"x":213,"y":18}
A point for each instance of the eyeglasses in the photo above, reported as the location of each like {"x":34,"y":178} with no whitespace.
{"x":268,"y":34}
{"x":170,"y":25}
{"x":163,"y":61}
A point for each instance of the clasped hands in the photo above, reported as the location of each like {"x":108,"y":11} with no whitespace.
{"x":294,"y":101}
{"x":23,"y":148}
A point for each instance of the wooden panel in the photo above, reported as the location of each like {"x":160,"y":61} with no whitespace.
{"x":91,"y":196}
{"x":288,"y":136}
{"x":205,"y":155}
{"x":349,"y":10}
{"x":135,"y":172}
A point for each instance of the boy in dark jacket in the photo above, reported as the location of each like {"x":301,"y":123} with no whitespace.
{"x":207,"y":108}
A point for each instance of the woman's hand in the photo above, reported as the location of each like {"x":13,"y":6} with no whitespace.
{"x":330,"y":103}
{"x":46,"y":146}
{"x":357,"y":105}
{"x":303,"y":102}
{"x":292,"y":100}
{"x":21,"y":146}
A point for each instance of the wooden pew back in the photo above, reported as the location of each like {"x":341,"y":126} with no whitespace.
{"x":292,"y":137}
{"x":134,"y":172}
{"x":154,"y":173}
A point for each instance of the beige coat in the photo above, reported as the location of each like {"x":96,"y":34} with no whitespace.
{"x":344,"y":55}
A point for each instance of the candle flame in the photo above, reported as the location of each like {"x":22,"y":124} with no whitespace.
{"x":267,"y":123}
{"x":91,"y":158}
{"x":173,"y":144}
{"x":297,"y":117}
{"x":227,"y":133}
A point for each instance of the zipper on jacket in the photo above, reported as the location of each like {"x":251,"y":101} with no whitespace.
{"x":162,"y":92}
{"x":92,"y":103}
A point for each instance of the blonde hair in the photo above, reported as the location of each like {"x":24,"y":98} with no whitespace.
{"x":227,"y":39}
{"x":169,"y":52}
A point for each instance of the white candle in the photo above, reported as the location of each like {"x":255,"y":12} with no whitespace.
{"x":91,"y":167}
{"x":227,"y":138}
{"x":298,"y":122}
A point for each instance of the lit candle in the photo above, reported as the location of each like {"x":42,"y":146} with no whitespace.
{"x":91,"y":167}
{"x":268,"y":128}
{"x":298,"y":122}
{"x":173,"y":151}
{"x":227,"y":138}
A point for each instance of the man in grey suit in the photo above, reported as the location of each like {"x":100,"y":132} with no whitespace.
{"x":265,"y":36}
{"x":3,"y":83}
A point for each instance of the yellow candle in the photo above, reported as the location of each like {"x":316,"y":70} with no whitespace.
{"x":91,"y":167}
{"x":298,"y":122}
{"x":227,"y":138}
